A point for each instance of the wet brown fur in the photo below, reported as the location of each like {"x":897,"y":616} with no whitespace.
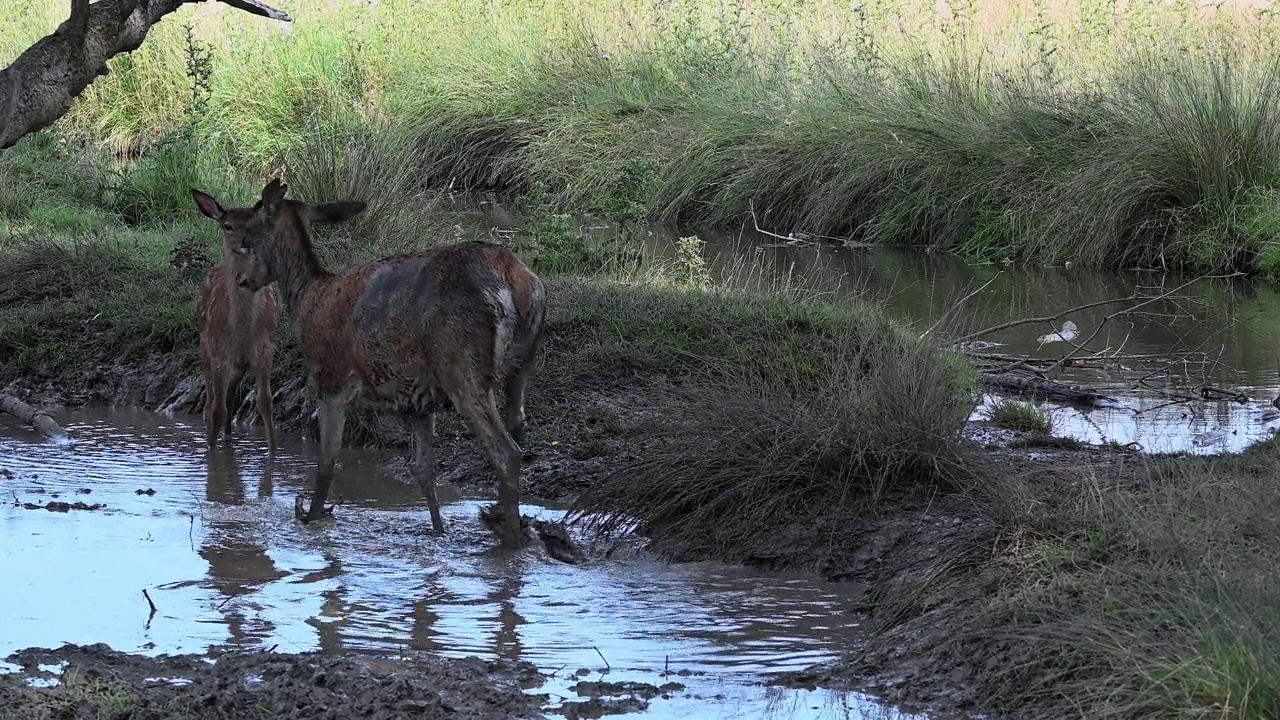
{"x":237,"y":331}
{"x":406,"y":333}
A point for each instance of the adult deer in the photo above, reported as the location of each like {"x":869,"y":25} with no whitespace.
{"x":237,"y":328}
{"x":406,"y":333}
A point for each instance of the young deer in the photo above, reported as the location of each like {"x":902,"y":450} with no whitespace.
{"x":237,"y":329}
{"x":406,"y":333}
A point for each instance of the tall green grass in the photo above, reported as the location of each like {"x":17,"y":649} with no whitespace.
{"x":1106,"y":134}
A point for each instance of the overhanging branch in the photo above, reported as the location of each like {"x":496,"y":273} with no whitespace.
{"x":42,"y":83}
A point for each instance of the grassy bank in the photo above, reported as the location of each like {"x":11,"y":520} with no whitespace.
{"x":1141,"y":591}
{"x":1139,"y":134}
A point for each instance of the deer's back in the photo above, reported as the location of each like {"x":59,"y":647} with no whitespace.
{"x":422,"y":317}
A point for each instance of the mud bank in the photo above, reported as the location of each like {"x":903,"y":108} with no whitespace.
{"x":96,"y":682}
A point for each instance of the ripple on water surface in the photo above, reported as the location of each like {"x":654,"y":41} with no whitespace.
{"x":227,"y":566}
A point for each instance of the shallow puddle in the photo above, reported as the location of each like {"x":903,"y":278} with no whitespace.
{"x":213,"y":540}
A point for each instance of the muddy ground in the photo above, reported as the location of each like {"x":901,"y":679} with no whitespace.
{"x":96,"y":682}
{"x":915,"y":562}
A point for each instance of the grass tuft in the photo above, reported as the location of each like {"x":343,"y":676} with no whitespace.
{"x":751,"y":446}
{"x":1021,"y":417}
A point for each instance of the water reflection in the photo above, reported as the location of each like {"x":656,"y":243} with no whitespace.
{"x":235,"y":550}
{"x":230,"y":568}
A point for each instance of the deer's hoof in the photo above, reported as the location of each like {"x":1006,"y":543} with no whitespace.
{"x":305,"y":516}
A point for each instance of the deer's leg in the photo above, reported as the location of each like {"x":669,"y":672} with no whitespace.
{"x":424,"y":428}
{"x":333,"y":413}
{"x":480,"y":411}
{"x":514,"y":393}
{"x":232,"y":395}
{"x":264,"y":403}
{"x":215,"y":403}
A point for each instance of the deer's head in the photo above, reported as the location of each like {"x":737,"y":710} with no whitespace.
{"x":278,"y":239}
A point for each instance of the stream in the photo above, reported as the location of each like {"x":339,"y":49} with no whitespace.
{"x":212,"y":538}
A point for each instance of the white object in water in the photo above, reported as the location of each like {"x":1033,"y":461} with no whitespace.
{"x":1068,"y":333}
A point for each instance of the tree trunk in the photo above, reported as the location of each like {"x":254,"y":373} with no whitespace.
{"x":40,"y":86}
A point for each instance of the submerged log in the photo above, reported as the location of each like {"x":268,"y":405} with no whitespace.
{"x":1042,"y":389}
{"x":36,"y":418}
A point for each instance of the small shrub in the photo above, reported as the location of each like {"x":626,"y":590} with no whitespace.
{"x":1021,"y":417}
{"x":692,"y":267}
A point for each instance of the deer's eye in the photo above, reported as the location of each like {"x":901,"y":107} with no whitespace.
{"x":228,"y":227}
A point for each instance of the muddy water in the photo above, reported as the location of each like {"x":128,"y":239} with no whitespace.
{"x":1224,"y":333}
{"x":216,"y":547}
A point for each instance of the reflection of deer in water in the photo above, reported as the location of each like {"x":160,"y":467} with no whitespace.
{"x":237,"y":330}
{"x":506,"y":639}
{"x":454,"y":322}
{"x":237,"y":560}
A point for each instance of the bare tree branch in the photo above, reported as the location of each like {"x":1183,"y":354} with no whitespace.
{"x":1125,"y":311}
{"x":1138,"y":298}
{"x":41,"y":84}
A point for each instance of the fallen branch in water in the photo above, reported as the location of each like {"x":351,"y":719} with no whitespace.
{"x":152,"y":605}
{"x":1167,"y":295}
{"x":1031,"y":376}
{"x":37,"y":419}
{"x":789,"y":239}
{"x":1042,"y":389}
{"x":1137,"y":300}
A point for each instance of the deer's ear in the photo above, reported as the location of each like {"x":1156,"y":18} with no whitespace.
{"x":334,"y":212}
{"x":208,"y":205}
{"x":273,"y":195}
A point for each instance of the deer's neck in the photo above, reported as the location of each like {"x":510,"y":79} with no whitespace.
{"x":299,"y":271}
{"x":243,"y":308}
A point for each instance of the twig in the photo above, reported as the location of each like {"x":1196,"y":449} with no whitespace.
{"x":1179,"y":396}
{"x":958,"y":305}
{"x":1163,"y":405}
{"x":606,"y":662}
{"x":1212,"y":393}
{"x":152,"y":605}
{"x":229,"y":598}
{"x":751,"y":207}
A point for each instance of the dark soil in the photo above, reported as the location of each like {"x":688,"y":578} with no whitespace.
{"x":97,"y":682}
